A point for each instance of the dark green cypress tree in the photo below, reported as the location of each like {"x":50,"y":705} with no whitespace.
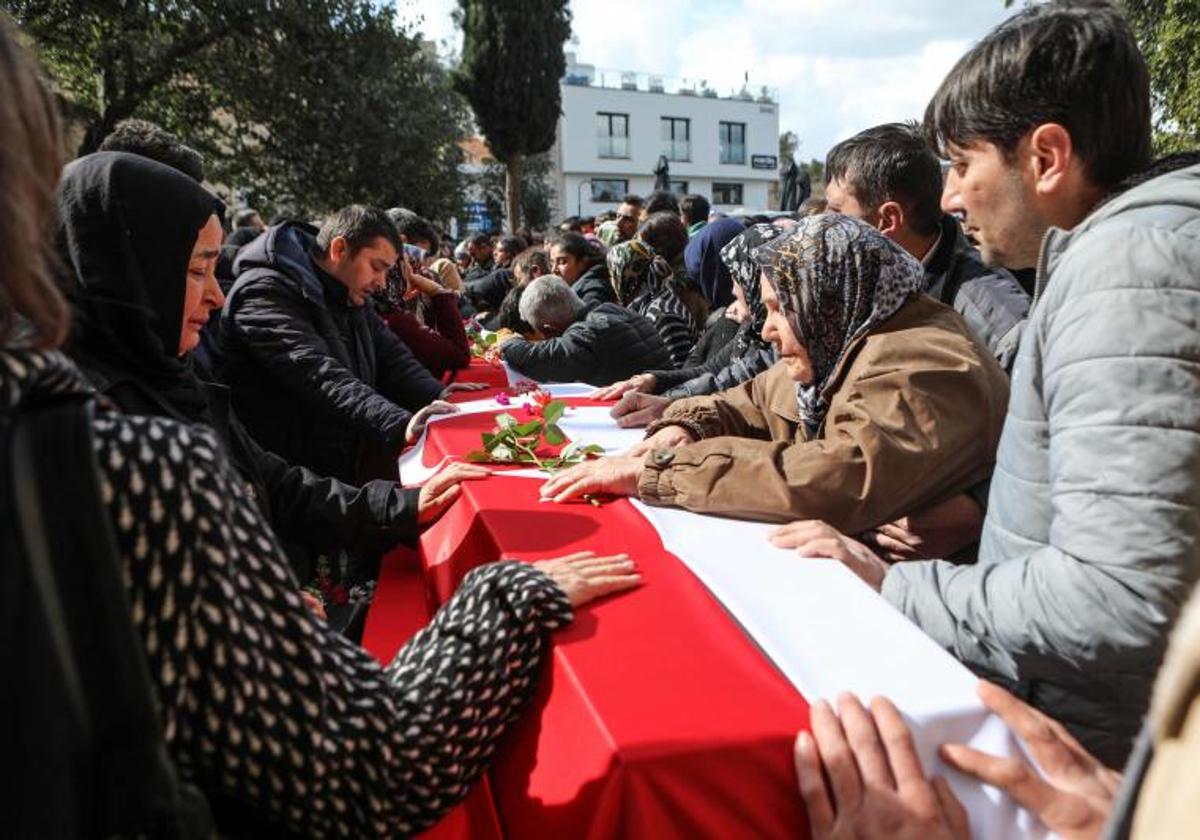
{"x":512,"y":62}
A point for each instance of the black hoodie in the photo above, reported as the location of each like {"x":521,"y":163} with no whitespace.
{"x":316,"y":380}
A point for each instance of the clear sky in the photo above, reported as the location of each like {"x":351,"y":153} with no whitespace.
{"x":839,"y":65}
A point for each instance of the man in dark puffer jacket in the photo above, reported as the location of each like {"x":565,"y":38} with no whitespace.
{"x":598,"y":345}
{"x":317,"y":377}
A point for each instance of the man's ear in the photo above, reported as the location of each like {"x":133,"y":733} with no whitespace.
{"x":339,"y":248}
{"x":1050,"y":154}
{"x":890,"y":218}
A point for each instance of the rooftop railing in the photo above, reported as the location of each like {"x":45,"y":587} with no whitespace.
{"x":587,"y":76}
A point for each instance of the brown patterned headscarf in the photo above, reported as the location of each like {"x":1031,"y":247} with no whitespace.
{"x":836,"y":278}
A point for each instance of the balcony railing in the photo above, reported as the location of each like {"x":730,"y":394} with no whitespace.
{"x":583,"y":75}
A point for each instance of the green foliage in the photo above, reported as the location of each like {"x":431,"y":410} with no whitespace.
{"x":1168,"y":32}
{"x":512,"y":62}
{"x":305,"y":105}
{"x":538,"y":195}
{"x":514,"y":442}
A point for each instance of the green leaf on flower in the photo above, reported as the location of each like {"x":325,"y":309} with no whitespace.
{"x":553,"y":411}
{"x":554,"y":435}
{"x":527,"y":429}
{"x":477,"y":457}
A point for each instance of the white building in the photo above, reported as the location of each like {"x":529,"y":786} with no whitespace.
{"x":614,"y":127}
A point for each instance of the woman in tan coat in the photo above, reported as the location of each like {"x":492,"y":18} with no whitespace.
{"x":881,"y":404}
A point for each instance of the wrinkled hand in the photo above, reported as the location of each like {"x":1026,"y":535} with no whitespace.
{"x":314,"y":604}
{"x":878,"y":787}
{"x":933,"y":533}
{"x":814,"y":538}
{"x":617,"y":476}
{"x":1075,"y":797}
{"x":636,"y":409}
{"x":643,"y":382}
{"x":416,"y":426}
{"x":672,"y":437}
{"x":456,"y":387}
{"x":441,"y":489}
{"x":586,"y":577}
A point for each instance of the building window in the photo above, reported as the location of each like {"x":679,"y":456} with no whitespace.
{"x":727,"y":193}
{"x":676,"y":138}
{"x":609,"y":190}
{"x":679,"y":187}
{"x":612,"y":134}
{"x":732,"y":138}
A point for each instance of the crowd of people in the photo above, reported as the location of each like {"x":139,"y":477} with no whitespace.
{"x":977,"y":386}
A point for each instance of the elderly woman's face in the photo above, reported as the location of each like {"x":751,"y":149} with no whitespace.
{"x":778,"y":331}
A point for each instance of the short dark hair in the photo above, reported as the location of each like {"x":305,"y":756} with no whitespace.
{"x":359,"y":225}
{"x":413,"y":227}
{"x":244,"y":218}
{"x":695,"y":208}
{"x":529,"y":258}
{"x":891,"y":162}
{"x":580,"y":247}
{"x":662,"y":201}
{"x":666,"y":233}
{"x":1073,"y":63}
{"x":634,"y":199}
{"x":514,"y":245}
{"x":509,"y":314}
{"x":480,"y":239}
{"x":144,"y":138}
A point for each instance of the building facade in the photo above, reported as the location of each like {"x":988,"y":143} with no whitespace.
{"x":615,"y":126}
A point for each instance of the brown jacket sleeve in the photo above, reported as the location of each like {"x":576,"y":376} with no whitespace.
{"x":734,"y":412}
{"x":916,"y":418}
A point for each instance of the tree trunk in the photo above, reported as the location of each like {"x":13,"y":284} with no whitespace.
{"x":512,"y":192}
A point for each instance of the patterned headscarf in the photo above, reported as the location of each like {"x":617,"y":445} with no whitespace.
{"x":637,"y":271}
{"x":836,"y":278}
{"x":738,"y":258}
{"x":608,"y":233}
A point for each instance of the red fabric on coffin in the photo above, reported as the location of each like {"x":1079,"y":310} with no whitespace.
{"x":481,"y":371}
{"x":658,"y":716}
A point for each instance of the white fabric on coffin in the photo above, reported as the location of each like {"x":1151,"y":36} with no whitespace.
{"x":829,"y":633}
{"x":589,"y":424}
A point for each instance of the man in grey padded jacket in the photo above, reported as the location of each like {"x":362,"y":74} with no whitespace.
{"x":1092,"y":538}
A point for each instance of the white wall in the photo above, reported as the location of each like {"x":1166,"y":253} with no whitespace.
{"x":578,"y":144}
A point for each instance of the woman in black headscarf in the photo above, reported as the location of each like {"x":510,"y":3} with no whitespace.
{"x":142,"y":241}
{"x":128,"y":227}
{"x":644,"y":398}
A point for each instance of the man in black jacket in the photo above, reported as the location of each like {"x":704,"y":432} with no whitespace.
{"x":479,"y":247}
{"x":598,"y":345}
{"x":317,"y":377}
{"x":888,"y":177}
